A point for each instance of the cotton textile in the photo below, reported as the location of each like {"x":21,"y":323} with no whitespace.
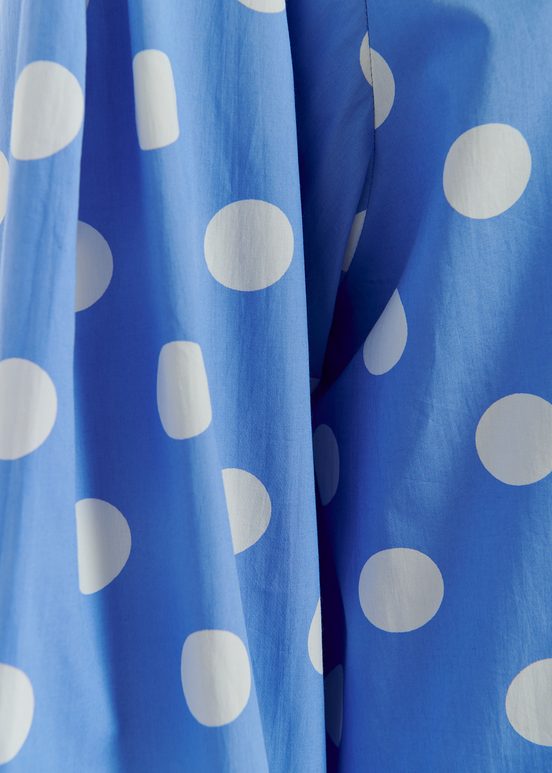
{"x":275,"y":394}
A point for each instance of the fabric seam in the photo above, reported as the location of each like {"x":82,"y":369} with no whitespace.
{"x":369,"y":177}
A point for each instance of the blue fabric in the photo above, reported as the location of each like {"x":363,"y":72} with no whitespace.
{"x":205,"y":566}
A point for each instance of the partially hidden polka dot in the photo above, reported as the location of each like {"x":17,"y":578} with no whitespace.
{"x":16,"y":710}
{"x":400,"y":589}
{"x":216,"y":676}
{"x":529,"y":702}
{"x":315,"y":640}
{"x":326,"y":462}
{"x":354,"y":237}
{"x":378,"y":74}
{"x":248,"y":245}
{"x":48,"y":110}
{"x":103,"y":543}
{"x":333,"y":703}
{"x":4,"y":183}
{"x":486,"y":170}
{"x":265,"y":6}
{"x":514,"y":439}
{"x":94,"y":266}
{"x":155,"y":100}
{"x":183,"y":398}
{"x":28,"y":407}
{"x":386,"y":341}
{"x":249,"y":507}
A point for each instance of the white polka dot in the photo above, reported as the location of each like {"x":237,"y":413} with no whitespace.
{"x":400,"y":589}
{"x":264,"y":6}
{"x":333,"y":703}
{"x":529,"y":702}
{"x":376,"y":69}
{"x":94,"y":266}
{"x":386,"y":341}
{"x":103,"y":541}
{"x":326,"y":462}
{"x":514,"y":439}
{"x":249,"y":507}
{"x":216,"y":677}
{"x":48,"y":109}
{"x":28,"y":407}
{"x":155,"y":100}
{"x":354,"y":237}
{"x":486,"y":170}
{"x":248,"y":245}
{"x":16,"y":710}
{"x":183,"y":397}
{"x":4,"y":181}
{"x":315,"y":640}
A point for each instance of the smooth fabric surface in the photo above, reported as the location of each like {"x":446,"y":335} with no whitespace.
{"x":203,"y":565}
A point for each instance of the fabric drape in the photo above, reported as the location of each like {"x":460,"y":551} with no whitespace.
{"x":275,"y":402}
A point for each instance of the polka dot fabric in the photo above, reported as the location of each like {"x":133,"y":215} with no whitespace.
{"x":275,"y":404}
{"x":432,"y":416}
{"x":153,"y":508}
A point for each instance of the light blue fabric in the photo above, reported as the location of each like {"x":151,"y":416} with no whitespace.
{"x":204,"y":204}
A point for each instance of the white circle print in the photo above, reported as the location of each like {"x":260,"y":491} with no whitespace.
{"x":248,"y":245}
{"x":486,"y":170}
{"x":216,"y":676}
{"x":529,"y":702}
{"x":400,"y":589}
{"x":28,"y":407}
{"x":514,"y":439}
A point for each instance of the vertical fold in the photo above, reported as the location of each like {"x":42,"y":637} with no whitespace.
{"x":47,"y":635}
